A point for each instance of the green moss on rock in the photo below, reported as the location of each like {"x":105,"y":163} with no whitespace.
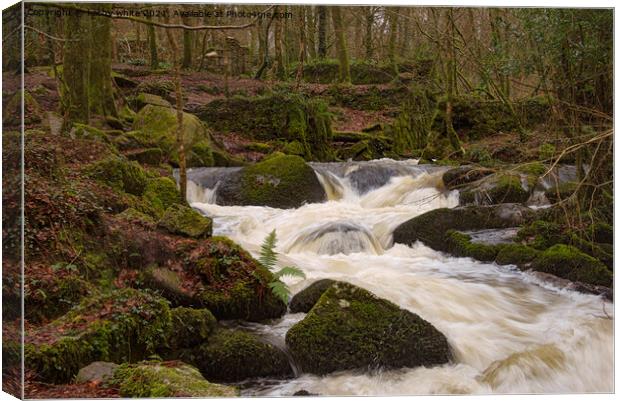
{"x":562,"y":191}
{"x":496,"y":189}
{"x":516,"y":254}
{"x":12,"y":112}
{"x":570,"y":263}
{"x":166,"y":379}
{"x":541,"y":234}
{"x":150,"y":156}
{"x":350,"y":328}
{"x":201,"y":155}
{"x":190,"y":327}
{"x":234,"y":355}
{"x":430,"y":227}
{"x":120,"y":174}
{"x":119,"y":326}
{"x":305,"y":299}
{"x":161,"y":193}
{"x":143,"y":99}
{"x":459,"y":244}
{"x":281,"y":181}
{"x":183,"y":220}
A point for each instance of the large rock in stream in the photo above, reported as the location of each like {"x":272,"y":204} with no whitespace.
{"x":280,"y":181}
{"x":351,"y":328}
{"x":431,"y":227}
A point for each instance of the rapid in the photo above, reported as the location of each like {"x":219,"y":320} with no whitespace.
{"x":509,"y":331}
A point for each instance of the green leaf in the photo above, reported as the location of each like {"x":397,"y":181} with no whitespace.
{"x":268,"y":257}
{"x":290,"y":271}
{"x":280,"y":290}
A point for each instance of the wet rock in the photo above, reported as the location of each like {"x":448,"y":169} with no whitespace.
{"x":167,"y":379}
{"x":190,"y":327}
{"x":280,"y":181}
{"x":459,"y":176}
{"x":305,"y":299}
{"x":234,"y":355}
{"x":570,"y":263}
{"x":304,"y":393}
{"x":495,"y":189}
{"x":431,"y":227}
{"x":350,"y":328}
{"x":96,"y":372}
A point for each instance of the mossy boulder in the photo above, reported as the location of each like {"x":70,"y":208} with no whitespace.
{"x":50,"y":298}
{"x":166,"y":379}
{"x":236,"y":285}
{"x":159,"y":87}
{"x":119,"y":326}
{"x":305,"y":299}
{"x":156,"y":126}
{"x":161,"y":193}
{"x":568,"y":262}
{"x":143,"y":99}
{"x":294,"y":148}
{"x":120,"y":174}
{"x":459,"y":244}
{"x":431,"y":227}
{"x":83,"y":131}
{"x":33,"y":113}
{"x":350,"y":328}
{"x":460,"y":176}
{"x":150,"y":156}
{"x":190,"y":327}
{"x":561,"y":191}
{"x":201,"y":155}
{"x":516,"y":254}
{"x":98,"y":372}
{"x":496,"y":189}
{"x":183,"y":220}
{"x":234,"y":355}
{"x":281,"y":181}
{"x":541,"y":234}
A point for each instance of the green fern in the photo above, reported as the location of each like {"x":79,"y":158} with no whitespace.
{"x":269,"y":258}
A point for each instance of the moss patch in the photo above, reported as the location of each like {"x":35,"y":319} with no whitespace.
{"x":234,"y":355}
{"x":190,"y":327}
{"x":281,"y":181}
{"x":161,"y":193}
{"x":166,"y":379}
{"x":305,"y":299}
{"x":570,"y":263}
{"x":120,"y":174}
{"x":183,"y":220}
{"x":350,"y":328}
{"x":119,"y":326}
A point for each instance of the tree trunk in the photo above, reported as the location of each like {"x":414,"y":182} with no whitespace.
{"x":393,"y":17}
{"x":311,"y":37}
{"x":179,"y":106}
{"x":277,"y":39}
{"x":370,"y":20}
{"x":100,"y":90}
{"x":341,"y":46}
{"x":153,"y":46}
{"x":451,"y":78}
{"x":322,"y":17}
{"x":187,"y":47}
{"x":302,"y":47}
{"x":76,"y":68}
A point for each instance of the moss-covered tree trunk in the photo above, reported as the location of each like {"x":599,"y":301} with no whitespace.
{"x":178,"y":92}
{"x":277,"y":45}
{"x":393,"y":17}
{"x":341,"y":46}
{"x":370,"y":20}
{"x":100,"y":89}
{"x":302,"y":47}
{"x":451,"y":72}
{"x":76,"y":68}
{"x":311,"y":33}
{"x":152,"y":38}
{"x":322,"y":31}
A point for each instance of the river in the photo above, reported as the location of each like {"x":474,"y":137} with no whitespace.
{"x":509,"y":331}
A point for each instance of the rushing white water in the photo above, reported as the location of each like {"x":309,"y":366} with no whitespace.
{"x":509,"y":331}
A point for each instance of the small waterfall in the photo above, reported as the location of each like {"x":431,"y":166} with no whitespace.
{"x":196,"y":193}
{"x":334,"y":238}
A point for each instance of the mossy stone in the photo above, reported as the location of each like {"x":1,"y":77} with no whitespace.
{"x":561,"y":191}
{"x":305,"y":299}
{"x":496,"y":189}
{"x":166,"y":379}
{"x":120,"y":174}
{"x":234,"y":355}
{"x":541,"y":234}
{"x":142,"y":99}
{"x":280,"y":181}
{"x":430,"y":227}
{"x":294,"y":148}
{"x":190,"y":327}
{"x":33,"y":113}
{"x":150,"y":156}
{"x":516,"y":254}
{"x":156,"y":126}
{"x":457,"y":177}
{"x":460,"y":244}
{"x":183,"y":220}
{"x":568,"y":262}
{"x":119,"y":326}
{"x":350,"y":328}
{"x":161,"y":193}
{"x":201,"y":155}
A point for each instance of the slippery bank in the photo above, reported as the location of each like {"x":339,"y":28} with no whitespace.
{"x":509,"y":330}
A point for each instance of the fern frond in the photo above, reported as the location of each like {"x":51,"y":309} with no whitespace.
{"x":280,"y":290}
{"x":268,"y":256}
{"x":291,"y":271}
